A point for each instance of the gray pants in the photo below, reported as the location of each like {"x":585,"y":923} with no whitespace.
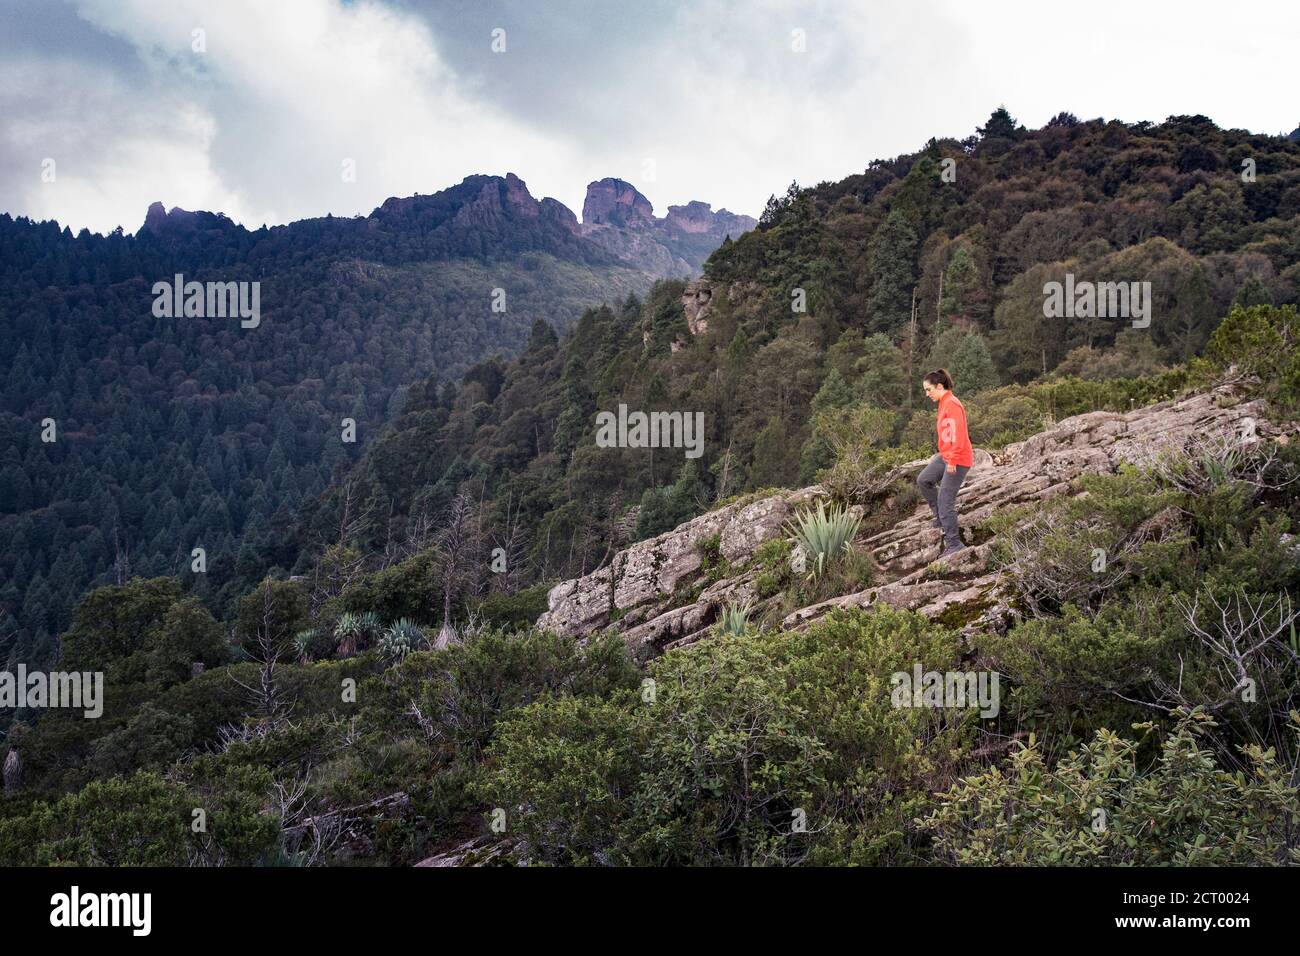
{"x":939,"y":488}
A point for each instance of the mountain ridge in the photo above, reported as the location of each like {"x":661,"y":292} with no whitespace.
{"x":676,"y":244}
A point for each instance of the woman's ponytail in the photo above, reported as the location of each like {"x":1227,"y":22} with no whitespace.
{"x":940,"y":376}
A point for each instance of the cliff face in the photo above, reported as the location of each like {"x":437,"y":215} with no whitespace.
{"x":656,"y":594}
{"x":617,"y":217}
{"x":615,"y":202}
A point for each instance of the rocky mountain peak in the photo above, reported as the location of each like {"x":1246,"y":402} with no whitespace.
{"x":615,"y":202}
{"x":695,"y":216}
{"x":616,"y":216}
{"x":158,"y":218}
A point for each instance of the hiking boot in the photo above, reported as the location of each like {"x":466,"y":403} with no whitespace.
{"x":952,"y":550}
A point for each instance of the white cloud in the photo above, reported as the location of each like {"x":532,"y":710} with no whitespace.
{"x":259,"y":124}
{"x":114,"y":149}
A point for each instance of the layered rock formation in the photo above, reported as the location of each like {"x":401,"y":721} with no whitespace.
{"x":616,"y":216}
{"x":658,"y":596}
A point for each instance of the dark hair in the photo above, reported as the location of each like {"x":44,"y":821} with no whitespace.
{"x":939,"y":376}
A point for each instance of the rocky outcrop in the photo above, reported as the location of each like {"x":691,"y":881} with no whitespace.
{"x":616,"y":216}
{"x":557,"y":211}
{"x":160,"y":221}
{"x":481,"y":851}
{"x":696,"y":300}
{"x":494,"y":198}
{"x":618,"y":225}
{"x":658,"y":596}
{"x":616,"y":203}
{"x":636,"y":590}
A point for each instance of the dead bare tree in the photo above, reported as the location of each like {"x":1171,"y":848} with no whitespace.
{"x":614,"y":534}
{"x":460,"y":548}
{"x":121,"y":559}
{"x":1247,"y":639}
{"x":1243,"y":635}
{"x":512,"y":540}
{"x":724,"y":474}
{"x":307,"y":837}
{"x":267,"y":696}
{"x":421,"y":529}
{"x":340,"y":565}
{"x":354,"y":518}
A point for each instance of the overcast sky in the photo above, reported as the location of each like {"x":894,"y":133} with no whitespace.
{"x":704,"y":100}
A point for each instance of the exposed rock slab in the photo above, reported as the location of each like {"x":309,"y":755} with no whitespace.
{"x":652,"y":569}
{"x":652,"y":593}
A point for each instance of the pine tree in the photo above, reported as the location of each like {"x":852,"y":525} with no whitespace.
{"x":892,"y":269}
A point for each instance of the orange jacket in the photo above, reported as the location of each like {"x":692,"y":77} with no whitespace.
{"x":954,"y":443}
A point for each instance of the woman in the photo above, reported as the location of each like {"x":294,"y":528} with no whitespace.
{"x":940,"y":479}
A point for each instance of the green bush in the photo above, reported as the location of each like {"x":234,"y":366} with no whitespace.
{"x":565,"y":770}
{"x":463,"y":690}
{"x":143,"y":820}
{"x":512,"y":612}
{"x":1085,"y":550}
{"x":772,"y":561}
{"x":732,"y":744}
{"x":1101,"y":807}
{"x":1262,"y":341}
{"x":1068,"y":673}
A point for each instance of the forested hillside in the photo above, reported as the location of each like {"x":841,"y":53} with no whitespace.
{"x":178,"y":433}
{"x":371,"y":683}
{"x":846,"y":294}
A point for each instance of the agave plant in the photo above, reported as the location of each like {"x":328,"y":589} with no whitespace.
{"x":303,"y":641}
{"x":824,"y":535}
{"x":371,"y":626}
{"x":354,"y":631}
{"x":1219,"y":469}
{"x":734,"y":621}
{"x":402,"y":637}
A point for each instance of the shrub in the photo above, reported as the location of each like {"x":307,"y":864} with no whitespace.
{"x":1100,"y":807}
{"x":457,"y":695}
{"x":565,"y":771}
{"x":739,"y":742}
{"x":512,"y":612}
{"x":772,"y":560}
{"x":1068,"y":673}
{"x":713,"y":564}
{"x":142,"y":820}
{"x":1082,"y":550}
{"x":1262,"y":341}
{"x":858,"y":438}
